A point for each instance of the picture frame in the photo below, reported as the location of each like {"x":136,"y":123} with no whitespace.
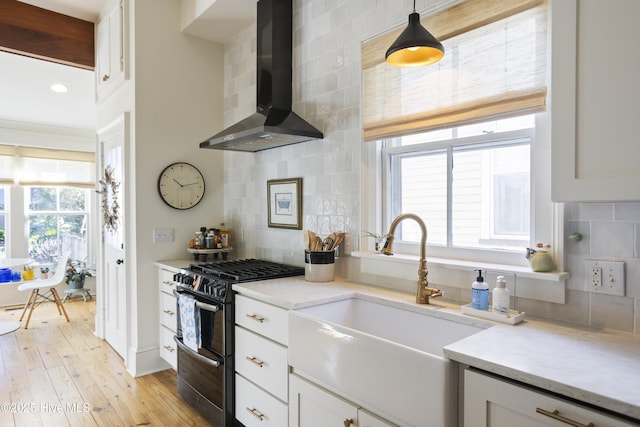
{"x":284,"y":203}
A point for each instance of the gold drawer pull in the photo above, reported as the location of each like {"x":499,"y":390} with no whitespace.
{"x":555,"y":415}
{"x":169,"y":312}
{"x":105,"y":77}
{"x":167,"y":282}
{"x":348,"y":422}
{"x":253,"y":411}
{"x":169,"y":348}
{"x":255,"y":361}
{"x":255,"y":317}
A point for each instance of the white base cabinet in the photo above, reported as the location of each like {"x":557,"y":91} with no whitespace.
{"x":492,"y":402}
{"x":311,"y":406}
{"x":261,"y":366}
{"x":168,"y":317}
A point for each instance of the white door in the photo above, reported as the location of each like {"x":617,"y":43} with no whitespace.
{"x":113,"y":296}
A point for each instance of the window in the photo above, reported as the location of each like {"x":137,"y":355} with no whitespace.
{"x":45,"y":203}
{"x":57,"y":221}
{"x":471,"y":191}
{"x":462,"y":142}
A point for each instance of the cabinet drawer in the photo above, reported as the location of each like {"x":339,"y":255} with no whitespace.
{"x":262,"y":318}
{"x":166,"y":283}
{"x":263,"y":361}
{"x":256,"y":407}
{"x":492,"y":402}
{"x":168,"y":311}
{"x":168,"y":346}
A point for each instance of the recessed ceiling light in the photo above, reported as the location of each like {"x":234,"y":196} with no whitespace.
{"x":58,"y":87}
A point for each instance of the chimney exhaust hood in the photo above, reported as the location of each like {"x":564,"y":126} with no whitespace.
{"x":274,"y":124}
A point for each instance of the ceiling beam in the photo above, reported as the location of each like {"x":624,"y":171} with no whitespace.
{"x":39,"y":33}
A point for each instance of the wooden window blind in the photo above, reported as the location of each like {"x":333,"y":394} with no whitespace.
{"x":494,"y":67}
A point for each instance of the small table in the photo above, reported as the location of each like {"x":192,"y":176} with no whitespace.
{"x":70,"y":292}
{"x":8,"y":327}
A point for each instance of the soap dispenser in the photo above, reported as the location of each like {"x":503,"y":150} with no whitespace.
{"x":480,"y":293}
{"x":501,"y":296}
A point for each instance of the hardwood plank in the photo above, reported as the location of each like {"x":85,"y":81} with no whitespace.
{"x":64,"y":363}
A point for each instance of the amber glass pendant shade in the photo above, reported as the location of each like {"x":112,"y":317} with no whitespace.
{"x":415,"y":47}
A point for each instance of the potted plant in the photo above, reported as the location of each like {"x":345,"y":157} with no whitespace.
{"x":75,"y":274}
{"x":44,"y":272}
{"x":379,"y":238}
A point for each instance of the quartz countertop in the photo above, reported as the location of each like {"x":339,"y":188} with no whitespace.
{"x":601,"y":368}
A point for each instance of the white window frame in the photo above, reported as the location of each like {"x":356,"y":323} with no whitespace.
{"x":546,"y":217}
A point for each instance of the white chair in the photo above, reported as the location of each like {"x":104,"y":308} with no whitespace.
{"x":35,"y":298}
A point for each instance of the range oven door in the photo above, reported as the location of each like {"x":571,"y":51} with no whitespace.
{"x":202,"y":381}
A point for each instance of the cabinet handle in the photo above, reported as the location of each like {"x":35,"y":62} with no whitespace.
{"x":105,"y":77}
{"x":255,"y":361}
{"x":169,"y":348}
{"x":167,"y":282}
{"x":253,"y":411}
{"x":555,"y":415}
{"x":169,"y":312}
{"x":255,"y":317}
{"x":348,"y":422}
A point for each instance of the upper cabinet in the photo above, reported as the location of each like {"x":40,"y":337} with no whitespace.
{"x":593,"y":100}
{"x":110,"y":50}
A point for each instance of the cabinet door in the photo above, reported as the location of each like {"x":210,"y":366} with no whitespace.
{"x":168,"y":316}
{"x":110,"y":50}
{"x":594,"y":101}
{"x":310,"y":406}
{"x":255,"y":407}
{"x":262,"y":318}
{"x":491,"y":402}
{"x":262,"y":361}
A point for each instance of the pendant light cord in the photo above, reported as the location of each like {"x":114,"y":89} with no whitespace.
{"x":414,"y":6}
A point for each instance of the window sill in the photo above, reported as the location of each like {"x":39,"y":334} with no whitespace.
{"x":519,"y":271}
{"x":457,"y":273}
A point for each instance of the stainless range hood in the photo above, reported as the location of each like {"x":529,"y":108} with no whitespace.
{"x":274,"y":124}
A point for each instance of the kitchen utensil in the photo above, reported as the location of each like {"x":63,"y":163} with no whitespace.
{"x":327,"y":244}
{"x":317,"y":245}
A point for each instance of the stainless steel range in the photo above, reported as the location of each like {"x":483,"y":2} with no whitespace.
{"x":206,"y":376}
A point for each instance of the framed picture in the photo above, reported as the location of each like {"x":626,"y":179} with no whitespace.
{"x":284,"y":199}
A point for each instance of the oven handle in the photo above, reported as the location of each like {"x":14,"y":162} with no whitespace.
{"x":202,"y":305}
{"x":201,"y":358}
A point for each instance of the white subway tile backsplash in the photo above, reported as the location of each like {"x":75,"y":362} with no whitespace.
{"x":327,"y":42}
{"x":612,"y":239}
{"x":613,"y":312}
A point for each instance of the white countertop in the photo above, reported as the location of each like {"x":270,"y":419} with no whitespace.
{"x":597,"y":367}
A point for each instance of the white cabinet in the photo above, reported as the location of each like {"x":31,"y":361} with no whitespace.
{"x":493,"y":402}
{"x":593,"y":97}
{"x":110,"y":57}
{"x":311,"y":406}
{"x":260,"y":356}
{"x":168,"y":322}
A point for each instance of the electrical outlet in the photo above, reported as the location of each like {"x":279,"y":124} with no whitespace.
{"x":596,"y":277}
{"x":606,"y":277}
{"x":162,"y":235}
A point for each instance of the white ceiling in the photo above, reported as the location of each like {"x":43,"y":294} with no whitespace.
{"x":26,"y":81}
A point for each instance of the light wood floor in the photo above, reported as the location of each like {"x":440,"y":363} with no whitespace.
{"x":59,"y":374}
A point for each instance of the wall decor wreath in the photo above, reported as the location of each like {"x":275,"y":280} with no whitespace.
{"x":110,"y":206}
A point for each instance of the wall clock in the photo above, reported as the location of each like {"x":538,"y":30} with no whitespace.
{"x":181,"y":185}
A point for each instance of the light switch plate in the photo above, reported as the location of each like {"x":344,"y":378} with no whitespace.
{"x":162,"y":235}
{"x":605,"y":277}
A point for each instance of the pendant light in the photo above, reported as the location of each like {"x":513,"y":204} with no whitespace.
{"x":415,"y":47}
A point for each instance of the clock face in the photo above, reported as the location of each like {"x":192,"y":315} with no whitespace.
{"x":181,"y":185}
